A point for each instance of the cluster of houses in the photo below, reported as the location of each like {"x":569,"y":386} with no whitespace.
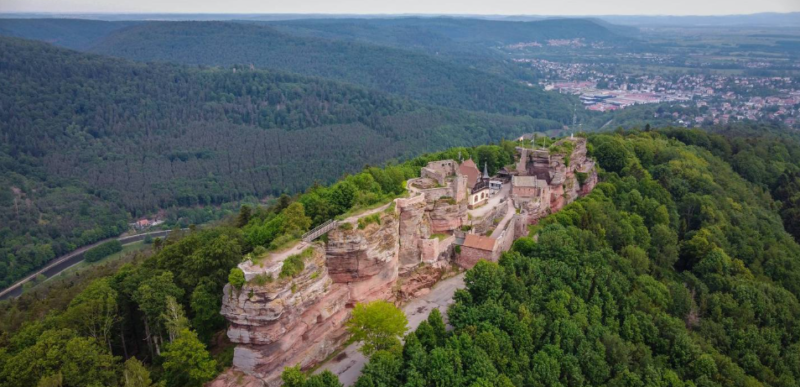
{"x":720,"y":98}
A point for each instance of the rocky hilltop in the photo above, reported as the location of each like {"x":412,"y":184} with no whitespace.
{"x":452,"y":216}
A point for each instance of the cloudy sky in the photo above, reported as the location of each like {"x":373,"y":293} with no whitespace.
{"x":504,"y":7}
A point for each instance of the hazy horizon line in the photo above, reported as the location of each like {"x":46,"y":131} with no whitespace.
{"x":383,"y":14}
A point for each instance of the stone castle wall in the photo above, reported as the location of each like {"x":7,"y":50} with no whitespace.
{"x":301,"y":320}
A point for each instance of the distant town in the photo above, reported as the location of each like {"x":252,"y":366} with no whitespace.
{"x":718,"y":99}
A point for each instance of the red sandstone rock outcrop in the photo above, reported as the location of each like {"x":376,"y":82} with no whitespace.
{"x":235,"y":378}
{"x":365,"y":260}
{"x":419,"y":281}
{"x":300,"y":320}
{"x":447,"y":215}
{"x":414,"y":226}
{"x":288,"y":321}
{"x":562,"y":176}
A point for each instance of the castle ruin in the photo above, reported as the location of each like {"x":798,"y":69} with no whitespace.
{"x":278,"y":322}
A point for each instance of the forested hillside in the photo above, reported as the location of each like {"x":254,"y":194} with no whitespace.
{"x":70,"y":33}
{"x":468,"y":42}
{"x":89,"y":139}
{"x":766,"y":155}
{"x":406,"y":73}
{"x":675,"y":271}
{"x":464,"y":40}
{"x":151,"y":320}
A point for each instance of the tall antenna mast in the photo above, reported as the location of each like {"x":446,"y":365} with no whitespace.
{"x":574,"y":115}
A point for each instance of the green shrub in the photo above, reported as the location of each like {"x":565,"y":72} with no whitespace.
{"x":282,"y":241}
{"x":564,"y":147}
{"x":236,"y":278}
{"x":346,"y":226}
{"x":259,"y":251}
{"x":261,"y":279}
{"x":448,"y":199}
{"x":293,"y":265}
{"x":457,"y":249}
{"x":99,"y":252}
{"x":367,"y":220}
{"x":581,"y":176}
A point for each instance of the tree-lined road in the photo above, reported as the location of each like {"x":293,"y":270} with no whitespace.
{"x":68,"y":260}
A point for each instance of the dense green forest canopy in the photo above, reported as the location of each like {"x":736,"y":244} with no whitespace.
{"x":455,"y":37}
{"x":89,"y":141}
{"x":162,"y":309}
{"x":470,"y":42}
{"x":415,"y":75}
{"x":674,"y":271}
{"x":76,"y":34}
{"x":765,"y":155}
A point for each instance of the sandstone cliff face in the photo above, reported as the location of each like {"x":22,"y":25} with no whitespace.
{"x":301,"y":320}
{"x":235,"y":378}
{"x":446,"y":216}
{"x":365,"y":260}
{"x":590,"y":183}
{"x":419,"y":281}
{"x":288,"y":321}
{"x":414,"y":226}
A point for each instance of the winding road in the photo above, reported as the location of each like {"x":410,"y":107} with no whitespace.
{"x":68,"y":260}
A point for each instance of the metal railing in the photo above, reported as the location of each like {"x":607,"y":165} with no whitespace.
{"x":320,"y":230}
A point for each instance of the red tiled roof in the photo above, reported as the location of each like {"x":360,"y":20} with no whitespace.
{"x":479,"y":242}
{"x":469,"y":169}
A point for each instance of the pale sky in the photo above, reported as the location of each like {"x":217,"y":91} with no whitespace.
{"x":484,"y":7}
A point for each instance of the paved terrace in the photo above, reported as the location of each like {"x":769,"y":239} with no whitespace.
{"x":493,"y":201}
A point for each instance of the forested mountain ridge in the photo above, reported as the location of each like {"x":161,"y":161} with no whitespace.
{"x":163,"y":307}
{"x":118,"y":136}
{"x":674,"y":271}
{"x":70,"y":33}
{"x":417,"y":32}
{"x":402,"y":72}
{"x":467,"y":41}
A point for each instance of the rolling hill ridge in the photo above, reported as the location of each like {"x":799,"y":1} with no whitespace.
{"x":121,"y":137}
